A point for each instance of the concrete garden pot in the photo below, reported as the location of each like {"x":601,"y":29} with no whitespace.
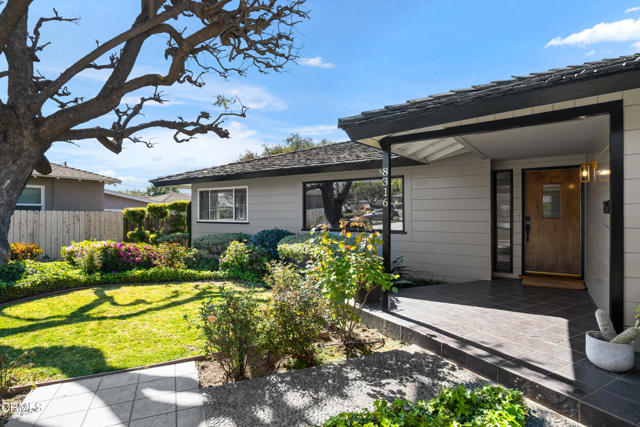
{"x":609,"y":356}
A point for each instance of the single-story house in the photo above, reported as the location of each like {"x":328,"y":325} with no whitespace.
{"x":64,"y":189}
{"x":118,"y":201}
{"x":536,"y":175}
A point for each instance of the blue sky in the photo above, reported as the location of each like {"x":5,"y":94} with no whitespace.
{"x":355,"y":55}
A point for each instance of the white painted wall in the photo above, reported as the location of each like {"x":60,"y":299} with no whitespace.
{"x":447,"y":224}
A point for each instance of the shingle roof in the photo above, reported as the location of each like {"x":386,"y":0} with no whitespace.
{"x":553,"y":77}
{"x":66,"y":172}
{"x":171,"y":197}
{"x":338,"y":156}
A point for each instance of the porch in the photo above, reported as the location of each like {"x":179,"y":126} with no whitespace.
{"x":528,"y":338}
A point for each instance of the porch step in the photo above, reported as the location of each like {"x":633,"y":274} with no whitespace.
{"x":553,"y":282}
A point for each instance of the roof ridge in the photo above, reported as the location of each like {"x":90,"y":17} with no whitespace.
{"x":82,"y":170}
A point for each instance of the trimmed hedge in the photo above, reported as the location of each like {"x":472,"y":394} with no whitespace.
{"x":213,"y":245}
{"x":268,"y":240}
{"x":295,"y":238}
{"x":29,"y":278}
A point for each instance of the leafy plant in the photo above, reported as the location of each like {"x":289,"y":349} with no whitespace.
{"x":347,"y":272}
{"x":295,"y":238}
{"x":295,"y":253}
{"x":136,"y":216}
{"x":11,"y":371}
{"x":268,"y":240}
{"x":486,"y":406}
{"x":179,"y":237}
{"x":231,"y":329}
{"x":295,"y":315}
{"x":158,"y":212}
{"x":179,"y":210}
{"x":213,"y":245}
{"x":241,"y":258}
{"x":20,"y":251}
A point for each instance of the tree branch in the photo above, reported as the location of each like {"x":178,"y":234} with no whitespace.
{"x":9,"y":18}
{"x":35,"y":38}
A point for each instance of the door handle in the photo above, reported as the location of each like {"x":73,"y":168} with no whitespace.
{"x":527,"y":226}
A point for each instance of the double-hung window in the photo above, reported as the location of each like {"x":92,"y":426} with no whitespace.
{"x":223,"y":204}
{"x":31,"y":199}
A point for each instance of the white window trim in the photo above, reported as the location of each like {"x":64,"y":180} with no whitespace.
{"x":244,"y":221}
{"x":42,"y":202}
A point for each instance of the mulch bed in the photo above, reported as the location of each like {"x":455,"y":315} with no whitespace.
{"x":329,"y":348}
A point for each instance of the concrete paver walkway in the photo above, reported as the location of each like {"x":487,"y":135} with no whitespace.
{"x":160,"y":396}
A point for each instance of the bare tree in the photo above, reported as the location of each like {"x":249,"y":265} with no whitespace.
{"x":333,"y":198}
{"x":218,"y":36}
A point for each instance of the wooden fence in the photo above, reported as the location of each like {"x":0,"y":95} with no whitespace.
{"x":54,"y":229}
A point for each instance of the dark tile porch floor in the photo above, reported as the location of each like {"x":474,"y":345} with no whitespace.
{"x":536,"y":333}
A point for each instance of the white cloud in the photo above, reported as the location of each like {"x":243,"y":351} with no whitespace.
{"x":632,"y":9}
{"x":313,"y":130}
{"x":316,"y":62}
{"x":618,"y":31}
{"x":590,"y":53}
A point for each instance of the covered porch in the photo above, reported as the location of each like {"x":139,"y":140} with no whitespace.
{"x":528,"y":338}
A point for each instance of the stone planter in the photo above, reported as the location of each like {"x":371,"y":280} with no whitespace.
{"x":609,"y":356}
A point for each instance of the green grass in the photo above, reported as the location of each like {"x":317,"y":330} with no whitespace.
{"x":104,"y":329}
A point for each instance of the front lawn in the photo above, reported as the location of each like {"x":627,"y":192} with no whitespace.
{"x":107,"y":328}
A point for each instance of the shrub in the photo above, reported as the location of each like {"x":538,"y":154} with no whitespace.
{"x":243,"y":261}
{"x":296,"y":238}
{"x":295,"y":315}
{"x":22,"y":251}
{"x":136,"y":216}
{"x":158,"y":212}
{"x":28,"y":278}
{"x":108,"y":256}
{"x":347,"y":272}
{"x":179,"y":209}
{"x":181,"y":238}
{"x":231,"y":328}
{"x":486,"y":406}
{"x":268,"y":240}
{"x":213,"y":245}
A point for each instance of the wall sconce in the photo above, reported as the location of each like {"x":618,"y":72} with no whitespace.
{"x":585,"y":171}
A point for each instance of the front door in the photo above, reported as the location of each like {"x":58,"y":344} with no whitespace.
{"x":552,"y":222}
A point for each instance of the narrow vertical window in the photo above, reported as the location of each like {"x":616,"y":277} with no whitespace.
{"x":503,"y":221}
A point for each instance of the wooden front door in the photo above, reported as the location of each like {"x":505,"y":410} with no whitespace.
{"x":552,"y":235}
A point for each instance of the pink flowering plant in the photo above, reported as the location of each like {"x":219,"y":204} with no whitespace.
{"x":110,"y":257}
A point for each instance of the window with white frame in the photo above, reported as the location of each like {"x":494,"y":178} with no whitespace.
{"x":222,"y":204}
{"x":31,"y":199}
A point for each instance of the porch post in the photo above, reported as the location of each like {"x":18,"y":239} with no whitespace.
{"x":616,"y":182}
{"x":386,"y":215}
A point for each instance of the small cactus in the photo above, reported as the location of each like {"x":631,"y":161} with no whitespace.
{"x":627,"y":336}
{"x":607,"y":330}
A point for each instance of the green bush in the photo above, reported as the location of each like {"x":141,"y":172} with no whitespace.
{"x":486,"y":406}
{"x":28,"y":278}
{"x":158,"y":212}
{"x":136,"y":216}
{"x":295,"y":238}
{"x":138,"y":235}
{"x":268,"y":240}
{"x":213,"y":245}
{"x":243,"y":261}
{"x":231,"y":328}
{"x":181,"y":238}
{"x":295,"y":314}
{"x":179,"y":210}
{"x":348,"y":273}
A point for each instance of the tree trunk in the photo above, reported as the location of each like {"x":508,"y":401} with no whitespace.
{"x":19,"y":155}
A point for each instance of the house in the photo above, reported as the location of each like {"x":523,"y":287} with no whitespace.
{"x":118,"y":201}
{"x":537,"y":175}
{"x":64,"y":189}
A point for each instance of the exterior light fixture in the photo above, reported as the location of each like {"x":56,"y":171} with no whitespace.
{"x":585,"y":171}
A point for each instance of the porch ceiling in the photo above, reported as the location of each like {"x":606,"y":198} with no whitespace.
{"x":580,"y":136}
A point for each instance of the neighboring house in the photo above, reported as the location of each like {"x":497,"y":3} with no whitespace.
{"x":534,"y":175}
{"x":118,"y":201}
{"x":64,"y":189}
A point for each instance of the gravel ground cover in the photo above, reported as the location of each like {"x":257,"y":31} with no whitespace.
{"x":309,"y":396}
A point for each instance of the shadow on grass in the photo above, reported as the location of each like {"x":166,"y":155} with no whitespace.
{"x":81,"y":314}
{"x":70,"y":361}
